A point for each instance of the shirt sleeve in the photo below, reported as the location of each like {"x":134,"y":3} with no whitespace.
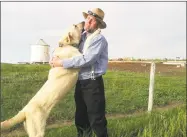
{"x":90,"y":57}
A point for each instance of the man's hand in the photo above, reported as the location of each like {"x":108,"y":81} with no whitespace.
{"x":55,"y":62}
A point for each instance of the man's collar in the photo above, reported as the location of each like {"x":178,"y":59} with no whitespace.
{"x":86,"y":33}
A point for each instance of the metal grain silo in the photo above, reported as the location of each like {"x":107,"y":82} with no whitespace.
{"x":40,"y":52}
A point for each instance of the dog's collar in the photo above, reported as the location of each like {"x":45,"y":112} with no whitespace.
{"x":74,"y":45}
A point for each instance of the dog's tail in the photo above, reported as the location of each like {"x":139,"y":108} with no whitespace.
{"x":20,"y":117}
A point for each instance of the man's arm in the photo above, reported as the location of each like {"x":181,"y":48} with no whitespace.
{"x":91,"y":55}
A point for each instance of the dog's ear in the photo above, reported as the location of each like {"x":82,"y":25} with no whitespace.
{"x":69,"y":38}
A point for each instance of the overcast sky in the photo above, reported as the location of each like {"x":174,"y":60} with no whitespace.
{"x":134,"y":29}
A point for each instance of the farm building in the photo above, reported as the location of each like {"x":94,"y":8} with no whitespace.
{"x":40,"y":53}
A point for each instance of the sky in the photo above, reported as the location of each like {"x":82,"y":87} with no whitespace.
{"x":134,"y":29}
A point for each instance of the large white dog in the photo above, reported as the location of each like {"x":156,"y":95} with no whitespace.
{"x":60,"y":81}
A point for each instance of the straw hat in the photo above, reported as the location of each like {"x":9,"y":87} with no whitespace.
{"x":98,"y":14}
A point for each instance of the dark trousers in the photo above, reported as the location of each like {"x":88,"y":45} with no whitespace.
{"x":90,"y":108}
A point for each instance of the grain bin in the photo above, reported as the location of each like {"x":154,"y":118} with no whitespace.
{"x":40,"y":52}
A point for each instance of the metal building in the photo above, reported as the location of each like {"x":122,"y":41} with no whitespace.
{"x":40,"y":52}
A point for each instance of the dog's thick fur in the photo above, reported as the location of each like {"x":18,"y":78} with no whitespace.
{"x":60,"y":81}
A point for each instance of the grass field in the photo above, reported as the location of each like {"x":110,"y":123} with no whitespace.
{"x":158,"y":124}
{"x":126,"y":93}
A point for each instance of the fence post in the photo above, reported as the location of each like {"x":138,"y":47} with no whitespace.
{"x":151,"y":87}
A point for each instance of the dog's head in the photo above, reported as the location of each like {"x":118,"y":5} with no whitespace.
{"x":72,"y":36}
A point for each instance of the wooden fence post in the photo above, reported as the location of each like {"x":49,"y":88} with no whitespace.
{"x":151,"y":87}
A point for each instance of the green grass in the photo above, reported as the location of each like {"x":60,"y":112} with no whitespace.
{"x":171,"y":123}
{"x":126,"y":92}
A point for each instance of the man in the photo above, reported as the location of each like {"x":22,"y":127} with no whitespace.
{"x":89,"y":91}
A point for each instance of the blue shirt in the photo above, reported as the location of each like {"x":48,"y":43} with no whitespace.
{"x":96,"y":55}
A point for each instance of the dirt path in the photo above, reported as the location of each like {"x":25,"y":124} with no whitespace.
{"x":144,"y":67}
{"x":20,"y":132}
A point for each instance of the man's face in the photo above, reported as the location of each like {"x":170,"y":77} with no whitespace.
{"x":90,"y":24}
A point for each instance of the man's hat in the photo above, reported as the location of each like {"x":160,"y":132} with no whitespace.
{"x":98,"y":14}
